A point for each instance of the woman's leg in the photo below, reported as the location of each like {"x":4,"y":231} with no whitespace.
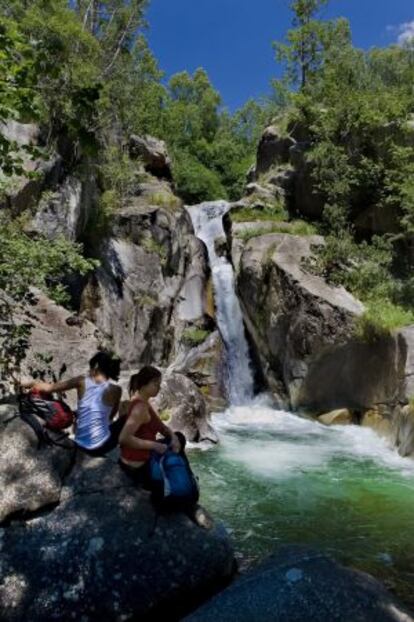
{"x":139,"y":475}
{"x":200,"y":517}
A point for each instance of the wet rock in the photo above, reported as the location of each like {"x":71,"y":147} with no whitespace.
{"x":299,"y":584}
{"x":406,"y":336}
{"x":404,"y":431}
{"x":205,"y":365}
{"x":378,"y":420}
{"x":337,"y":417}
{"x":192,"y":303}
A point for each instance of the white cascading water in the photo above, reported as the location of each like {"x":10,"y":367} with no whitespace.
{"x":207,"y":221}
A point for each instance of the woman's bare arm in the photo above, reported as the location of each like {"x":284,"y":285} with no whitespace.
{"x":55,"y":387}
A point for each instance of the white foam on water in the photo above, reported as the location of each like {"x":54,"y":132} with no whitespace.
{"x":278,"y":444}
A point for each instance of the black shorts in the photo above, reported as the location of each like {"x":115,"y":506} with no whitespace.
{"x":139,"y":475}
{"x":111,"y":443}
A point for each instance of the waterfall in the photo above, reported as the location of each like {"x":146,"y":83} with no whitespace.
{"x":207,"y":221}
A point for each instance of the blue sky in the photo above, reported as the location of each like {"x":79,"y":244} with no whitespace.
{"x":232,"y":39}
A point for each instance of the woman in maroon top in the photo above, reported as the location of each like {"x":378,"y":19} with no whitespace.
{"x":139,"y":434}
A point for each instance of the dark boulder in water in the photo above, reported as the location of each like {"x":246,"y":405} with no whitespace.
{"x":300,"y":585}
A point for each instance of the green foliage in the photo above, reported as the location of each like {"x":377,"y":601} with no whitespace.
{"x":364,"y":269}
{"x":67,"y":67}
{"x":24,"y":263}
{"x":152,"y":246}
{"x":296,"y":227}
{"x":275,"y":213}
{"x":135,"y":94}
{"x":308,"y":43}
{"x":96,"y":82}
{"x":194,"y":336}
{"x":353,"y":106}
{"x":163,"y":199}
{"x":120,"y":177}
{"x":195,"y":182}
{"x":37,"y":262}
{"x":381,"y":317}
{"x":211,"y":149}
{"x":18,"y":99}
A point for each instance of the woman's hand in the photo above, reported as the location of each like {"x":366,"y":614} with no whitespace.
{"x":27,"y":383}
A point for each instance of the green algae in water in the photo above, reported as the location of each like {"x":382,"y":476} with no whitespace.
{"x":276,"y":479}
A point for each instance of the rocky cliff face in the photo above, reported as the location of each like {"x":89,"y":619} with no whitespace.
{"x":151,"y":283}
{"x":303,"y":328}
{"x":283,"y":169}
{"x":305,"y":332}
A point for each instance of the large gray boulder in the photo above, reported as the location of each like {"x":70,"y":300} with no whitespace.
{"x":30,"y":478}
{"x":403,"y":429}
{"x":153,"y":153}
{"x":184,"y":404}
{"x":205,"y":365}
{"x":297,"y":585}
{"x":406,"y":335}
{"x":273,"y":149}
{"x":103,"y":554}
{"x":283,"y":166}
{"x":303,"y":329}
{"x":192,"y":299}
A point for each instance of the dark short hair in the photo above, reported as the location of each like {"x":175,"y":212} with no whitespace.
{"x":107,"y":363}
{"x":143,"y":377}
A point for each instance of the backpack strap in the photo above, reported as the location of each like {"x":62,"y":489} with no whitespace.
{"x":28,"y":417}
{"x":167,"y":485}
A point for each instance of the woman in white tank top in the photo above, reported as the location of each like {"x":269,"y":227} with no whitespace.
{"x":98,"y":403}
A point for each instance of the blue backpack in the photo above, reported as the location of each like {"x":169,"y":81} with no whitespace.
{"x":174,"y":486}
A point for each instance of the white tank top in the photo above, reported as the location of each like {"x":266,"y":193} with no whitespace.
{"x":92,"y":422}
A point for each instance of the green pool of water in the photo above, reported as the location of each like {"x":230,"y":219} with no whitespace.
{"x":276,"y":479}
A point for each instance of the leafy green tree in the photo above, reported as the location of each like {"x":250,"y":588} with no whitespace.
{"x":18,"y":98}
{"x":135,"y":97}
{"x":307,"y":42}
{"x":114,"y":23}
{"x":195,"y":182}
